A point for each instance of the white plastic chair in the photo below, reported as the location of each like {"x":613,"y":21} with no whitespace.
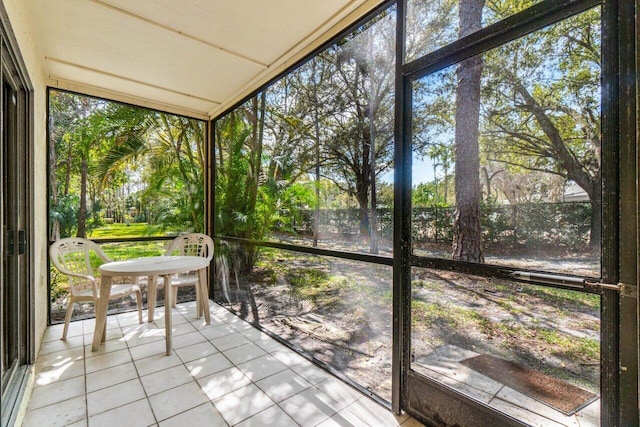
{"x":189,"y":244}
{"x":72,"y":257}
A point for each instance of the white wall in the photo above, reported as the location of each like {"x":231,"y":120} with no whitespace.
{"x":28,"y":45}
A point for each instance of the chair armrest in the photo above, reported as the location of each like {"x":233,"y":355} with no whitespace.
{"x":90,"y":278}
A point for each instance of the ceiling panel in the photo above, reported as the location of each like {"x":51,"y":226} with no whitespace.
{"x":258,"y":30}
{"x":195,"y":55}
{"x":73,"y":78}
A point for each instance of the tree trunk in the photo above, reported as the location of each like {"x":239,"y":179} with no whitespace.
{"x":373,"y":216}
{"x":53,"y":187}
{"x":363,"y":213}
{"x":467,"y":233}
{"x":253,"y":181}
{"x":82,"y":213}
{"x":67,"y":176}
{"x":362,"y":187}
{"x":595,"y":196}
{"x":316,"y":122}
{"x":446,"y":184}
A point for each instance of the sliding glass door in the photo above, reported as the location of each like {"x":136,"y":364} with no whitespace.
{"x":15,"y":305}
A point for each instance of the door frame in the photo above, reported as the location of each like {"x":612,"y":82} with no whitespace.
{"x":619,"y":308}
{"x":13,"y":72}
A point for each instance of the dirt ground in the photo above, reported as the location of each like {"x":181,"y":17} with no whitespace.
{"x":554,"y":332}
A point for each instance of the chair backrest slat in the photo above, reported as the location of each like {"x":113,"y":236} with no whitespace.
{"x":193,"y":244}
{"x":73,"y":255}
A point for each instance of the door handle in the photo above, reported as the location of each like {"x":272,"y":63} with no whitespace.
{"x":21,"y":241}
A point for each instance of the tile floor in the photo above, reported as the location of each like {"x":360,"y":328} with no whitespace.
{"x":224,"y":374}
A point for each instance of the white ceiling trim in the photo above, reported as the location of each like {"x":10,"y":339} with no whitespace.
{"x":180,"y":33}
{"x":100,"y":92}
{"x":128,"y":79}
{"x":340,"y":21}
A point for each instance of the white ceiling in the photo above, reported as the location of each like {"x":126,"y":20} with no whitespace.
{"x":192,"y":57}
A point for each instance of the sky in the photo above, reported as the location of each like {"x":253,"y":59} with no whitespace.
{"x":422,"y":171}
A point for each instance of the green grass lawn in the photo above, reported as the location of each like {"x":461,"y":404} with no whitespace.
{"x":126,"y":250}
{"x":141,"y":229}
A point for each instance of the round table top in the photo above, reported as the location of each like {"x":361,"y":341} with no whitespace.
{"x":153,"y":266}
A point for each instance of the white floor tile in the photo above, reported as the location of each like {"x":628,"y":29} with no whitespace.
{"x":63,"y":369}
{"x":81,"y":423}
{"x":61,"y":345}
{"x":208,"y":365}
{"x":268,"y":344}
{"x":156,"y":363}
{"x":203,"y":415}
{"x":54,"y":332}
{"x":164,"y":380}
{"x":112,"y":334}
{"x":107,"y":360}
{"x":309,"y":407}
{"x":137,"y":413}
{"x":374,"y":414}
{"x":340,"y":392}
{"x":283,"y":385}
{"x":60,"y":358}
{"x":347,"y":419}
{"x":273,"y":416}
{"x":130,"y":380}
{"x":89,"y":325}
{"x":107,"y":347}
{"x":216,"y":331}
{"x":142,"y":334}
{"x":244,"y":353}
{"x":261,"y":367}
{"x":113,"y":397}
{"x":201,"y":324}
{"x":289,"y":357}
{"x":230,"y":341}
{"x":311,"y":372}
{"x":61,"y":414}
{"x":196,"y":351}
{"x":150,"y":349}
{"x":223,"y":382}
{"x":178,"y":319}
{"x":242,"y":404}
{"x":181,"y":329}
{"x":129,"y":318}
{"x":111,"y":376}
{"x":177,"y":400}
{"x":75,"y":329}
{"x":57,"y":392}
{"x":188,"y":339}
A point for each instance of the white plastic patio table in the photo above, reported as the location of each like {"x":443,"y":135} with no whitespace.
{"x":152,"y":267}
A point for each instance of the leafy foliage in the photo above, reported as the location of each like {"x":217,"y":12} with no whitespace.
{"x":123,"y":164}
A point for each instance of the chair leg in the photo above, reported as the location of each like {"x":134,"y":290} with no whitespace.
{"x":174,"y":290}
{"x":151,"y":296}
{"x":67,"y":318}
{"x":139,"y":303}
{"x":199,"y":305}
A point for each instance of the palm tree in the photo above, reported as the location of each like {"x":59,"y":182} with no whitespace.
{"x":167,"y":151}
